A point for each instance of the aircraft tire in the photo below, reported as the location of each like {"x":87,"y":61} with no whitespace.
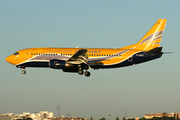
{"x":80,"y":72}
{"x":23,"y":72}
{"x":87,"y":74}
{"x":86,"y":67}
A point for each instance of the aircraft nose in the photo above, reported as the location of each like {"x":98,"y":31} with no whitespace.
{"x":9,"y":59}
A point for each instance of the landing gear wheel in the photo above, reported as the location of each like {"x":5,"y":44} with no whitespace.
{"x":80,"y":72}
{"x":23,"y":72}
{"x":87,"y":74}
{"x":86,"y":67}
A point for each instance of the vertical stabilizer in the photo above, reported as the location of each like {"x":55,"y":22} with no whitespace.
{"x":153,"y":37}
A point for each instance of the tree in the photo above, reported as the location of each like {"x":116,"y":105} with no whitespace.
{"x":165,"y":118}
{"x":177,"y":115}
{"x":132,"y":119}
{"x":91,"y":118}
{"x":156,"y":118}
{"x":28,"y":119}
{"x":174,"y":115}
{"x":124,"y":118}
{"x":102,"y":118}
{"x":117,"y":118}
{"x":143,"y":118}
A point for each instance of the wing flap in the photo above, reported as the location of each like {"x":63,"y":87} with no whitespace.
{"x":79,"y":57}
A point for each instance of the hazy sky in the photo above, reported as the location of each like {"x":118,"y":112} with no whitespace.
{"x":145,"y":88}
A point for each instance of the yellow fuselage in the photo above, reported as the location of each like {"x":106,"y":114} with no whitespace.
{"x":46,"y":54}
{"x":146,"y":49}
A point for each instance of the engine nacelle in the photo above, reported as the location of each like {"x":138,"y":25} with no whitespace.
{"x":61,"y":64}
{"x":57,"y":64}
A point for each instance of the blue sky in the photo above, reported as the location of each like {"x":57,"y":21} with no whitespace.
{"x":145,"y":88}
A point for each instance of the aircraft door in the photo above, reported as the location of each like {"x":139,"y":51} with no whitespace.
{"x":130,"y":59}
{"x":27,"y":54}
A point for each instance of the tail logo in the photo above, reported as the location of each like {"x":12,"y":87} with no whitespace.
{"x":152,"y":38}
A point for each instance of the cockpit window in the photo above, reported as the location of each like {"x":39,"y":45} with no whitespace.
{"x":16,"y":53}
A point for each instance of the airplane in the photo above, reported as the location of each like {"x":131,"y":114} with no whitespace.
{"x":79,"y":60}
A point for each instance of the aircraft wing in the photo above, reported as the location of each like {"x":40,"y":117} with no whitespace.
{"x":79,"y":57}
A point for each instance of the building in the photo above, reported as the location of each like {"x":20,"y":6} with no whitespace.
{"x":43,"y":115}
{"x":9,"y":114}
{"x":136,"y":118}
{"x":69,"y":118}
{"x":51,"y":115}
{"x":151,"y":115}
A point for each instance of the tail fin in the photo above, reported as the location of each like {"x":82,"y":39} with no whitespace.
{"x":153,"y":37}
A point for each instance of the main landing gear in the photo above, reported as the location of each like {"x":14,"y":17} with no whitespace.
{"x":81,"y":72}
{"x":87,"y":74}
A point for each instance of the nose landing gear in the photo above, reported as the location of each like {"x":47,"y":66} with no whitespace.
{"x":23,"y":67}
{"x":23,"y":72}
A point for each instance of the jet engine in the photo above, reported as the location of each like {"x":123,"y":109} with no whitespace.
{"x":57,"y":64}
{"x":61,"y":64}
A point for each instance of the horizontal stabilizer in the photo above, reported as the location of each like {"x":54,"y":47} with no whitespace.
{"x":167,"y":52}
